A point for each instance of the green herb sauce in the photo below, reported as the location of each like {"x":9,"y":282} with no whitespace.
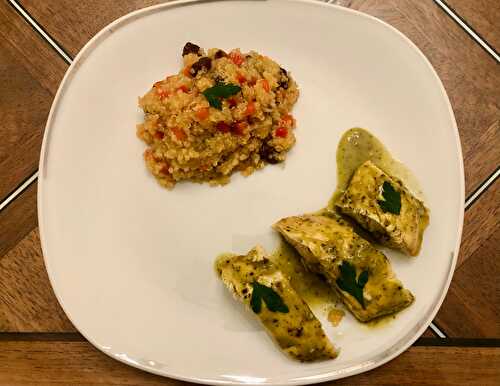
{"x":357,"y":146}
{"x":314,"y":290}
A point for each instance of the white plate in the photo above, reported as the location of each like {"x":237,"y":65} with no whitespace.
{"x":131,"y":263}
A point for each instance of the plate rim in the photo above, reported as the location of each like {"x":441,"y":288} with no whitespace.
{"x":347,"y":371}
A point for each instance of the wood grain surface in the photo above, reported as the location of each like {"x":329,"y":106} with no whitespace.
{"x":27,"y":302}
{"x":482,"y":15}
{"x":78,"y":363}
{"x":17,"y":220}
{"x":86,"y":18}
{"x":472,"y":306}
{"x":428,"y":333}
{"x":481,"y":220}
{"x":30,"y":72}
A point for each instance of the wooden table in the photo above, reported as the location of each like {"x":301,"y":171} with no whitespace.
{"x":40,"y":346}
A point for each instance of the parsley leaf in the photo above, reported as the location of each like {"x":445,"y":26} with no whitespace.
{"x":392,"y":199}
{"x":347,"y":282}
{"x":213,"y":101}
{"x":273,"y":301}
{"x":216,"y":93}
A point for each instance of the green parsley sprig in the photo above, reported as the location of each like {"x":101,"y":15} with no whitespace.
{"x":215,"y":94}
{"x":273,"y":301}
{"x":347,"y":281}
{"x":392,"y":199}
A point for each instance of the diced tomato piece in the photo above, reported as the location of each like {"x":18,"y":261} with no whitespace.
{"x":183,"y":88}
{"x":265,"y":85}
{"x":162,"y":93}
{"x":164,"y":169}
{"x":179,"y":133}
{"x":250,"y":108}
{"x":281,"y":132}
{"x":236,"y":57}
{"x":286,"y":120}
{"x":159,"y":134}
{"x":223,"y":127}
{"x":239,"y":128}
{"x":232,"y":102}
{"x":148,"y":154}
{"x":186,"y":71}
{"x":241,"y":79}
{"x":202,"y":113}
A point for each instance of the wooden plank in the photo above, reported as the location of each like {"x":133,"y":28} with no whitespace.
{"x":30,"y":72}
{"x":472,"y":307}
{"x":480,"y":222}
{"x":27,"y":302}
{"x":429,"y":334}
{"x":49,"y":363}
{"x":86,"y":18}
{"x":482,"y":15}
{"x":18,"y":219}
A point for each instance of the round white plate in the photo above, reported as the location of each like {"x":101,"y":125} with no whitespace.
{"x":132,"y":263}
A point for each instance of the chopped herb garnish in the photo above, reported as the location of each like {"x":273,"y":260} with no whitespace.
{"x":216,"y":93}
{"x":347,"y":281}
{"x":392,"y":199}
{"x":273,"y":301}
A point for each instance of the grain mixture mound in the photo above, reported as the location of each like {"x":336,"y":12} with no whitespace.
{"x":222,"y":113}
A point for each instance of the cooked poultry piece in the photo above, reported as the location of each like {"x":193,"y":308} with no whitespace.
{"x":256,"y":281}
{"x":383,"y":206}
{"x":361,"y":274}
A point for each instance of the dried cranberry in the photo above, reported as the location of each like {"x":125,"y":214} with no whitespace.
{"x":223,"y":127}
{"x":220,"y":54}
{"x":203,"y":63}
{"x":268,"y":154}
{"x":190,"y":48}
{"x":283,"y":84}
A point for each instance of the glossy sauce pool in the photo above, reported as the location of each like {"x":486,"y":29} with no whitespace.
{"x":316,"y":292}
{"x":357,"y":146}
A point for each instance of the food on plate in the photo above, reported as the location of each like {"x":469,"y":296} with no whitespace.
{"x":318,"y":294}
{"x":335,"y":316}
{"x":334,"y":260}
{"x":360,"y":273}
{"x":383,"y":206}
{"x":379,"y":192}
{"x":222,"y":113}
{"x":356,"y":146}
{"x":263,"y":288}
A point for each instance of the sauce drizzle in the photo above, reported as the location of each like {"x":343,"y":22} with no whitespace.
{"x":357,"y":146}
